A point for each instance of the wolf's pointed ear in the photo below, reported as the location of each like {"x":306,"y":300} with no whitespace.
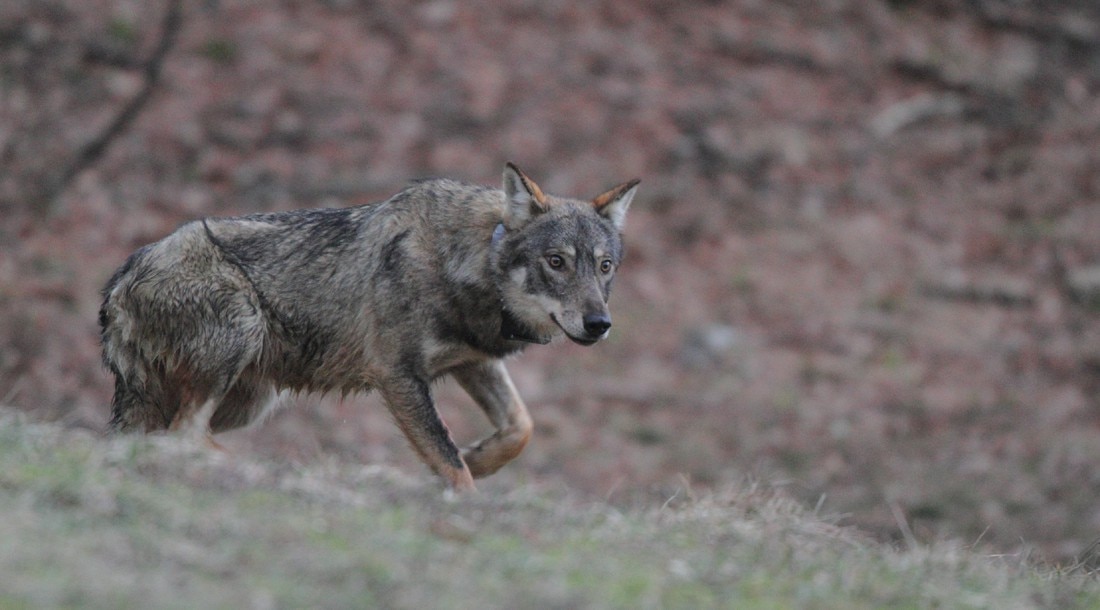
{"x":613,"y":204}
{"x":524,"y":198}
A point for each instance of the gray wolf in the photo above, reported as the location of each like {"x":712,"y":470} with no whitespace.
{"x":204,"y":329}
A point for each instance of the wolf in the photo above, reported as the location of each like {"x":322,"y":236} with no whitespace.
{"x":205,"y":329}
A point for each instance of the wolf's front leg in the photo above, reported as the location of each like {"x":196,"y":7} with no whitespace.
{"x":490,"y":386}
{"x":410,"y":402}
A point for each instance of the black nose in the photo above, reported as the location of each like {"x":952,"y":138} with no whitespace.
{"x":596,"y":324}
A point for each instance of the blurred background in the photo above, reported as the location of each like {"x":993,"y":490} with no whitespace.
{"x":864,"y":263}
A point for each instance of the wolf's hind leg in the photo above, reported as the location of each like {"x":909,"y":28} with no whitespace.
{"x":206,"y":390}
{"x":249,"y":401}
{"x":193,"y":419}
{"x":491,"y":388}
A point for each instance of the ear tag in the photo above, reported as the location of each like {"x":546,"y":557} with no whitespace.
{"x":498,"y":234}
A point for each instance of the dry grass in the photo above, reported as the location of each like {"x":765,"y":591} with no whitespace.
{"x":156,"y":523}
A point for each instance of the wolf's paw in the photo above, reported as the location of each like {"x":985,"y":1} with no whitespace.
{"x":490,"y":454}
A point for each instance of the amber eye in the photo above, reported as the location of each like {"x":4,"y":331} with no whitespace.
{"x":555,"y":261}
{"x":605,"y":266}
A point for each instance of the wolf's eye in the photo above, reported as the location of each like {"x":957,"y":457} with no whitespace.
{"x":605,"y":266}
{"x":555,"y":261}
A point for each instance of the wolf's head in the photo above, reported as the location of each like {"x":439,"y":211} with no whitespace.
{"x":556,"y":259}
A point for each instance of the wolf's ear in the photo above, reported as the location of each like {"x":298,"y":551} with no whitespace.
{"x":524,"y":198}
{"x":614,"y":203}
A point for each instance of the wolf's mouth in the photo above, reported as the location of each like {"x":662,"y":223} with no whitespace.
{"x":514,"y":330}
{"x":585,"y":341}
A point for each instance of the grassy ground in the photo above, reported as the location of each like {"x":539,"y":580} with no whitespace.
{"x":157,"y":523}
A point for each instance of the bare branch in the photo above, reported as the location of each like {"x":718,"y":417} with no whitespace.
{"x":94,"y":148}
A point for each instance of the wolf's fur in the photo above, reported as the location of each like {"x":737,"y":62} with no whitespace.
{"x":204,"y":328}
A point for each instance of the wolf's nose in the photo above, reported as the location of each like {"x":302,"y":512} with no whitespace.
{"x":596,"y":324}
